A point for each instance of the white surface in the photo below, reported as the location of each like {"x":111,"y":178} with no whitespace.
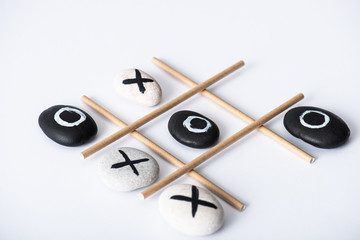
{"x":53,"y":52}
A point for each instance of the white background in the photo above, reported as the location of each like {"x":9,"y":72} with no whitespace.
{"x":53,"y":52}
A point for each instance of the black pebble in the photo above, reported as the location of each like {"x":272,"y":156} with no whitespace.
{"x":73,"y":126}
{"x":202,"y":139}
{"x":317,"y":127}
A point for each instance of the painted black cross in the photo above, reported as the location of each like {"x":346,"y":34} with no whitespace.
{"x":139,"y":80}
{"x":195,"y":201}
{"x":129,"y":162}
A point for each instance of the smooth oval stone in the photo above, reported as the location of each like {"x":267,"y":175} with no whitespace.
{"x":316,"y":126}
{"x":126,"y":169}
{"x":138,"y":87}
{"x":193,"y":129}
{"x":191,"y":210}
{"x":67,"y":125}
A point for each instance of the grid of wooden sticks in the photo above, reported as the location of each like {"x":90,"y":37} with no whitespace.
{"x":188,"y":168}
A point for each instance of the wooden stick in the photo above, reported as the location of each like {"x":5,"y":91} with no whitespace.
{"x":304,"y":155}
{"x":86,"y":153}
{"x":167,"y":156}
{"x":219,"y":147}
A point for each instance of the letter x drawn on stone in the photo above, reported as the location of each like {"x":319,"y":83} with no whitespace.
{"x":129,"y":162}
{"x":195,"y":201}
{"x":139,"y":80}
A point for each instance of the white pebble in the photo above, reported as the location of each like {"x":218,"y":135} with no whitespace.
{"x":191,"y":210}
{"x":126,"y":169}
{"x":138,"y":86}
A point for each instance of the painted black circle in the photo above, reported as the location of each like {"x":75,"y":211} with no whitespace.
{"x":70,"y":116}
{"x":198,"y":123}
{"x":314,"y":118}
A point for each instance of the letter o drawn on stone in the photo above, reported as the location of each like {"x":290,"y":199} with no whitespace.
{"x":187,"y":124}
{"x":61,"y":122}
{"x":305,"y":124}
